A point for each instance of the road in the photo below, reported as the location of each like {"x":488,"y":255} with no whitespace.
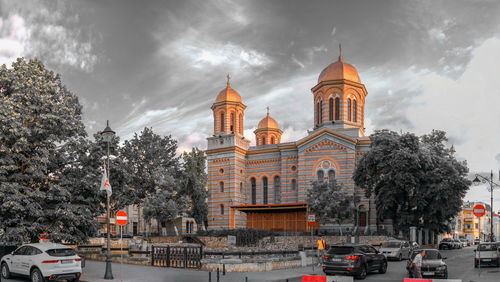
{"x":460,"y":266}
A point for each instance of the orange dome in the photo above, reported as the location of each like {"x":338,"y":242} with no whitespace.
{"x":268,"y":122}
{"x":228,"y":94}
{"x":339,"y":70}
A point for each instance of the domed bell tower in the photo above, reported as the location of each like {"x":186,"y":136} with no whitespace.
{"x":268,"y":131}
{"x":339,"y":99}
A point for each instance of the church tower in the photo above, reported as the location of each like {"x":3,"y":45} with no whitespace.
{"x":339,"y":99}
{"x":226,"y":160}
{"x":268,"y":131}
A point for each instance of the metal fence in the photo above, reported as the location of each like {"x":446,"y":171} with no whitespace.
{"x":177,"y":256}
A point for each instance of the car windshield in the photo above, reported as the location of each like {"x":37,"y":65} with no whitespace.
{"x":391,"y":245}
{"x":447,"y":240}
{"x":61,"y":252}
{"x":487,"y":247}
{"x":340,"y":250}
{"x":430,"y":254}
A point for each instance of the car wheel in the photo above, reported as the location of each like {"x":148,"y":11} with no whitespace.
{"x":475,"y":264}
{"x":78,"y":279}
{"x":5,"y":271}
{"x":36,"y":276}
{"x":362,"y":274}
{"x":445,"y":276}
{"x":383,"y":267}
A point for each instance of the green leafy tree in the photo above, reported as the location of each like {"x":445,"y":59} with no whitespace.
{"x":194,"y":181}
{"x":42,"y":148}
{"x":331,"y":203}
{"x":411,"y":178}
{"x":165,"y":205}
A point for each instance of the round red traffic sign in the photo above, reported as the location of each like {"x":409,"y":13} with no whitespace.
{"x":121,"y":218}
{"x":479,"y":210}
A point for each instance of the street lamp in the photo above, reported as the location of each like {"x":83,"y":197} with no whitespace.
{"x":481,"y":179}
{"x":107,"y":135}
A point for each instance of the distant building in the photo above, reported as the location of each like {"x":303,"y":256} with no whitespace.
{"x":265,"y":186}
{"x":473,"y":227}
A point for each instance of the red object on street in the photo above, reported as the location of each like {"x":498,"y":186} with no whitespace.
{"x":479,"y":210}
{"x":121,"y":218}
{"x":313,"y":278}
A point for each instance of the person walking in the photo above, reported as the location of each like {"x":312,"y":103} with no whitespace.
{"x":321,"y":249}
{"x":417,"y":264}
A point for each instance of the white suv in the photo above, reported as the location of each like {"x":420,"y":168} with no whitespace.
{"x":42,"y":262}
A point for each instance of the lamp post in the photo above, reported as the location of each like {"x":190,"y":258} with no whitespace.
{"x":107,"y":135}
{"x":481,"y":179}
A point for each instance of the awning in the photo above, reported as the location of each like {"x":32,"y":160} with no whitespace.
{"x":270,"y":207}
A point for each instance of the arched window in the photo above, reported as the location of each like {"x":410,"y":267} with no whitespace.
{"x":221,"y":186}
{"x":349,"y":109}
{"x":277,"y":190}
{"x":264,"y":190}
{"x":317,"y":113}
{"x":295,"y":193}
{"x":263,"y":141}
{"x":241,"y":187}
{"x":254,"y":190}
{"x":222,"y":123}
{"x":320,"y":111}
{"x":321,"y":175}
{"x":233,"y":123}
{"x":294,"y":184}
{"x":241,"y":124}
{"x":331,"y":174}
{"x":330,"y":109}
{"x":272,"y":140}
{"x":355,"y":110}
{"x":337,"y":108}
{"x":221,"y":209}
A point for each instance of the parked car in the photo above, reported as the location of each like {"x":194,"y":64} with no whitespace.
{"x":447,"y":243}
{"x":464,"y":242}
{"x":487,"y":254}
{"x":353,"y":259}
{"x":458,"y":244}
{"x":433,"y":265}
{"x":41,"y":262}
{"x":476,"y":241}
{"x":396,"y":249}
{"x":414,"y":245}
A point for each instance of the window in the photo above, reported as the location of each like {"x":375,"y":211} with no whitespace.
{"x":21,"y":251}
{"x":349,"y":109}
{"x":317,"y":113}
{"x":63,"y":252}
{"x":264,"y":190}
{"x":222,"y":124}
{"x":321,"y":175}
{"x":330,"y":109}
{"x":272,"y":140}
{"x":355,"y":110}
{"x":294,"y":184}
{"x":331,"y":174}
{"x":263,"y":140}
{"x":337,"y":108}
{"x":221,"y":209}
{"x":277,"y":190}
{"x":254,"y":191}
{"x":32,"y":251}
{"x":241,"y":187}
{"x":233,"y":123}
{"x":221,"y":186}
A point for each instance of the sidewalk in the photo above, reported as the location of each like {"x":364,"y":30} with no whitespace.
{"x":94,"y":272}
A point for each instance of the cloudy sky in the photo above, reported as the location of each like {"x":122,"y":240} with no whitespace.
{"x":426,"y":64}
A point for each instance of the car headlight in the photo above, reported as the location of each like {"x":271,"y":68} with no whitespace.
{"x":442,"y":267}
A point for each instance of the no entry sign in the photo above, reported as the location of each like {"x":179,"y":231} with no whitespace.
{"x":121,"y":218}
{"x":479,"y":210}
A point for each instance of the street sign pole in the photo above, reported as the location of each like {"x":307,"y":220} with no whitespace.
{"x":479,"y":211}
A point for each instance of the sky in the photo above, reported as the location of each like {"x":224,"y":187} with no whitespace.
{"x":426,"y":64}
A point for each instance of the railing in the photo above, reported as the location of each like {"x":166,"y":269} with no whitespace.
{"x":177,"y":256}
{"x":251,"y":253}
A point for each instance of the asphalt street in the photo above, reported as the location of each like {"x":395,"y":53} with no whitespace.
{"x":460,"y":266}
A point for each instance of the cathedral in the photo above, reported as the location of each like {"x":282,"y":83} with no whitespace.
{"x":265,"y":186}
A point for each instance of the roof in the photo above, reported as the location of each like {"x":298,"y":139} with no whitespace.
{"x":339,"y":70}
{"x":47,"y":246}
{"x":262,"y":207}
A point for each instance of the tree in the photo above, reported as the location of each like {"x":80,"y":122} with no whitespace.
{"x":165,"y":205}
{"x":331,"y":203}
{"x":42,"y":148}
{"x":194,"y":181}
{"x":411,"y":179}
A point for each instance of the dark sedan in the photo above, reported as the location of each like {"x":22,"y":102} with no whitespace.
{"x":353,"y":259}
{"x":433,"y":265}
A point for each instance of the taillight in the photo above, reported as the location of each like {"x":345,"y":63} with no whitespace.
{"x":326,"y":257}
{"x":50,"y":261}
{"x":78,"y":259}
{"x":352,"y":257}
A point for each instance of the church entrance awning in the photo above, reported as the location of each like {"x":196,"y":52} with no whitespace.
{"x":275,"y":217}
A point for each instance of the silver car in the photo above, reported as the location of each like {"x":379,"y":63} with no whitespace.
{"x":396,"y":249}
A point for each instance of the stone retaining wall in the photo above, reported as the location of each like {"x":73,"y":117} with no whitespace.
{"x":255,"y":266}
